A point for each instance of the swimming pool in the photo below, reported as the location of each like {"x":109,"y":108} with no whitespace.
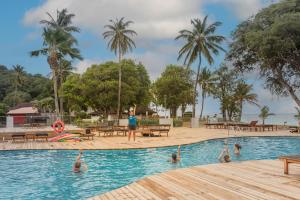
{"x":42,"y":174}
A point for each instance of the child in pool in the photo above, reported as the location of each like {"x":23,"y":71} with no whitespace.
{"x":224,"y":156}
{"x":176,"y":157}
{"x":237,"y":149}
{"x":78,"y":163}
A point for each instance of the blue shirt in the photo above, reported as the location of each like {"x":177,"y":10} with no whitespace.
{"x":132,"y":120}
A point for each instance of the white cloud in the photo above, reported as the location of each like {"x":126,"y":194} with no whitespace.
{"x":153,"y":18}
{"x":82,"y":65}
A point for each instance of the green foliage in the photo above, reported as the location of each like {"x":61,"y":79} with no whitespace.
{"x":270,"y":43}
{"x":3,"y":109}
{"x":177,"y":122}
{"x":16,"y":97}
{"x":297,"y":116}
{"x":23,"y":87}
{"x":232,"y":92}
{"x":148,"y":121}
{"x":45,"y":105}
{"x":265,"y":113}
{"x":174,"y":88}
{"x":98,"y":87}
{"x":119,"y":36}
{"x":200,"y":41}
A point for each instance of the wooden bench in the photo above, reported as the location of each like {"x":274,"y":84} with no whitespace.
{"x":289,"y":159}
{"x":87,"y":134}
{"x":18,"y":137}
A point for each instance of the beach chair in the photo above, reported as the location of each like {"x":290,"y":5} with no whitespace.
{"x":287,"y":160}
{"x":18,"y":137}
{"x":251,"y":126}
{"x":41,"y":137}
{"x":87,"y":134}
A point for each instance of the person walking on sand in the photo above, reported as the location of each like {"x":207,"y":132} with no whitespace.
{"x":132,"y":123}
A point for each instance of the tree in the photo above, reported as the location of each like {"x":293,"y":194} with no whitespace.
{"x":58,"y":43}
{"x":97,"y":87}
{"x":174,"y":87}
{"x":120,"y":43}
{"x":265,"y":113}
{"x":18,"y":79}
{"x":63,"y":21}
{"x":297,"y":116}
{"x":15,"y":98}
{"x":3,"y":109}
{"x":243,"y":95}
{"x":200,"y":41}
{"x":270,"y":44}
{"x":206,"y":81}
{"x":44,"y":105}
{"x":224,"y":91}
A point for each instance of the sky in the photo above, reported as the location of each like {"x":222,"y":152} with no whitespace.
{"x":157,"y":23}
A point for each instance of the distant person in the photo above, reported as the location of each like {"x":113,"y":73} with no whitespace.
{"x":79,"y":165}
{"x":224,"y":156}
{"x":176,"y":157}
{"x":132,"y":123}
{"x":237,"y":149}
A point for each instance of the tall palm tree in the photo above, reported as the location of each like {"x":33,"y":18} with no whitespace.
{"x":265,"y":113}
{"x":63,"y":21}
{"x":200,"y":41}
{"x":18,"y":79}
{"x":57,"y":44}
{"x":206,"y":82}
{"x":120,"y":42}
{"x":243,"y":94}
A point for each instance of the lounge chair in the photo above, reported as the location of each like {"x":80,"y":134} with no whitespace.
{"x":250,"y":126}
{"x":289,"y":159}
{"x":87,"y":134}
{"x":18,"y":137}
{"x":41,"y":136}
{"x":121,"y":129}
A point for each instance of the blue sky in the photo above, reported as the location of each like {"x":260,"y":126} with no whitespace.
{"x":157,"y":23}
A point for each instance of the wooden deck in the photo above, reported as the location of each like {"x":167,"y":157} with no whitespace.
{"x":249,"y":180}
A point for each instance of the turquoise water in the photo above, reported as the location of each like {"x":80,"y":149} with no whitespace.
{"x":48,"y":174}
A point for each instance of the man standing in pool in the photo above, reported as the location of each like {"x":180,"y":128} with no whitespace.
{"x":132,"y":123}
{"x":78,"y":163}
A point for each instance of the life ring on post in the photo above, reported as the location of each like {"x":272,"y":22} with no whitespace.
{"x":58,"y":126}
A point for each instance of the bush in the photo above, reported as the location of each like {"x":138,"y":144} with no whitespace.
{"x":152,"y":121}
{"x":177,"y":122}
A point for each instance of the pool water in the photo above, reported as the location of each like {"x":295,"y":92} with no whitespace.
{"x":42,"y":174}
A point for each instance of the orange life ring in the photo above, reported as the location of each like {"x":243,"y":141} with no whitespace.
{"x":58,"y":126}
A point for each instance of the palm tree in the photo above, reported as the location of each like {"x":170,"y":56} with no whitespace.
{"x":63,"y":21}
{"x":206,"y":81}
{"x":18,"y":79}
{"x":200,"y":41}
{"x":57,"y":44}
{"x":243,"y":94}
{"x":120,"y":42}
{"x":265,"y":113}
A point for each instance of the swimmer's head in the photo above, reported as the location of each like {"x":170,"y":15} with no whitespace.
{"x":227,"y":158}
{"x":238,"y":146}
{"x":174,"y":157}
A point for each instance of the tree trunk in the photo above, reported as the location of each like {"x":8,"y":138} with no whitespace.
{"x":120,"y":84}
{"x":288,"y":87}
{"x":195,"y":88}
{"x":202,"y":104}
{"x":241,"y":111}
{"x":55,"y":92}
{"x":173,"y":112}
{"x":61,"y":99}
{"x":183,"y":107}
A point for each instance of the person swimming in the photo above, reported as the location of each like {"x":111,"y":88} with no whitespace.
{"x":224,"y":156}
{"x":237,"y":149}
{"x":176,"y":157}
{"x":79,"y":164}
